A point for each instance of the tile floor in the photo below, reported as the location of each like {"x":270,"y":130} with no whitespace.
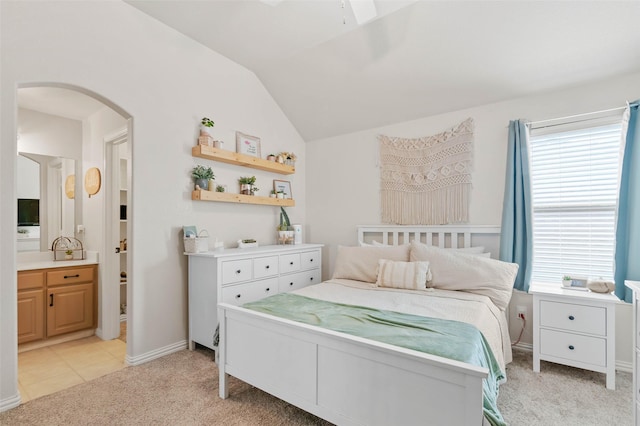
{"x":54,"y":368}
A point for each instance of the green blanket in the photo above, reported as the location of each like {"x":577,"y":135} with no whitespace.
{"x":450,"y":339}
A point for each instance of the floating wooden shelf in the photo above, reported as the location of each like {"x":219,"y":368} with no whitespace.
{"x":227,"y":197}
{"x":217,"y":154}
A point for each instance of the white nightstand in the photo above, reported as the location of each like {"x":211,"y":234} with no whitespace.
{"x":575,"y":328}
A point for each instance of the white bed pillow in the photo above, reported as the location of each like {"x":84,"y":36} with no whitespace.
{"x":406,"y":275}
{"x":361,"y":263}
{"x":452,"y":270}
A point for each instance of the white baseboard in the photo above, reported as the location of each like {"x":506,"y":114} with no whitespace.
{"x":527,"y":347}
{"x":9,"y":403}
{"x":158,"y":353}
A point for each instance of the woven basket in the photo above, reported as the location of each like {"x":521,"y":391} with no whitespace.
{"x":199,"y":244}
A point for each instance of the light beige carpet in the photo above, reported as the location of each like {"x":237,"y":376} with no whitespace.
{"x":181,"y":389}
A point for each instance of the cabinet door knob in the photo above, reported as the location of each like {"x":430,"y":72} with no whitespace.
{"x":51,"y":299}
{"x":571,"y":347}
{"x":571,"y":317}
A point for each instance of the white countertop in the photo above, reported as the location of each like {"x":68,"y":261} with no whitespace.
{"x":256,"y":250}
{"x":27,"y":261}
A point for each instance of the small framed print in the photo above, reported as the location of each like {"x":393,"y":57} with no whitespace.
{"x":247,"y":144}
{"x":284,"y":187}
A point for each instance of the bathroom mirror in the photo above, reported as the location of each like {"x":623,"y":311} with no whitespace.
{"x":46,"y":209}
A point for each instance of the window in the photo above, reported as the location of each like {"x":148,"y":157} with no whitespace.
{"x":574,"y":180}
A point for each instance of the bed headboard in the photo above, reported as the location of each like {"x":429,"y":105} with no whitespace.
{"x":443,"y":236}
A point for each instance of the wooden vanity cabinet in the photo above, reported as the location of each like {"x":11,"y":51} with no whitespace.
{"x":30,"y":306}
{"x":67,"y":295}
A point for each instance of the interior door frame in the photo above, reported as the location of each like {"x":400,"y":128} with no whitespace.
{"x":110,"y":276}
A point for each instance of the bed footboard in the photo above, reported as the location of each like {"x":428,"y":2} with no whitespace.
{"x":345,"y":379}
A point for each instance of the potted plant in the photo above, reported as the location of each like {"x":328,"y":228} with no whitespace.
{"x":68,"y":254}
{"x":201,"y":176}
{"x":566,"y":281}
{"x":280,"y":194}
{"x":247,"y":185}
{"x":272,"y":194}
{"x":285,"y":236}
{"x":206,"y":127}
{"x":220,"y":188}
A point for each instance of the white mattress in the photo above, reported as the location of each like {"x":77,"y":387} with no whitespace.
{"x":453,"y":305}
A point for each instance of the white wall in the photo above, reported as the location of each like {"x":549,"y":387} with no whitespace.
{"x":166,"y":83}
{"x":28,"y":184}
{"x":343,"y":180}
{"x":47,"y":134}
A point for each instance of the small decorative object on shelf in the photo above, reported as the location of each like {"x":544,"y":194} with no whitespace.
{"x":271,"y":157}
{"x":201,"y":176}
{"x":574,"y":283}
{"x":282,"y":188}
{"x":247,"y":144}
{"x":601,"y":286}
{"x":272,"y":194}
{"x":247,"y":185}
{"x":198,"y":243}
{"x":67,"y":248}
{"x":221,"y":188}
{"x":206,"y":127}
{"x":285,"y":235}
{"x":288,"y":158}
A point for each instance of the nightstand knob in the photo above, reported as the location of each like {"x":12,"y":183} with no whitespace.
{"x":267,"y":267}
{"x":237,"y":296}
{"x":571,"y":317}
{"x":268,"y":289}
{"x":238,"y":271}
{"x":571,"y":347}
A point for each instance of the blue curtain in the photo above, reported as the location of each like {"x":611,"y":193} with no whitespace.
{"x":516,"y":236}
{"x":627,"y":257}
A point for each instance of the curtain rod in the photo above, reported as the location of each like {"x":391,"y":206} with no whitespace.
{"x":533,"y":123}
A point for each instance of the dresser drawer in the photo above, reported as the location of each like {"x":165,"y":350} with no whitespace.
{"x":265,"y":267}
{"x":289,"y":263}
{"x":310,"y":259}
{"x":590,"y":350}
{"x":29,"y":280}
{"x":298,"y":280}
{"x":248,"y":292}
{"x":235,"y":271}
{"x":69,"y":276}
{"x":571,"y":317}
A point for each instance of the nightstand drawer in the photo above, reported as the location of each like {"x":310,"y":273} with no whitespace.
{"x":265,"y":266}
{"x":249,"y":292}
{"x":590,"y":350}
{"x":235,"y":271}
{"x":568,"y":316}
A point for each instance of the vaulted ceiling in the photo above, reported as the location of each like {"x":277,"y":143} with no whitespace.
{"x":332,"y":76}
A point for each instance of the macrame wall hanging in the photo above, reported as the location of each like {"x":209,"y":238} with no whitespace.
{"x":427,"y":181}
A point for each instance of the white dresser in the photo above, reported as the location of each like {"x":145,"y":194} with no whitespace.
{"x":238,"y":276}
{"x":575,"y":328}
{"x":635,"y":286}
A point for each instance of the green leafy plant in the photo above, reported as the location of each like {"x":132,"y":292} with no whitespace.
{"x":219,"y":188}
{"x":247,"y":180}
{"x":202,"y":172}
{"x":566,"y":278}
{"x":69,"y":252}
{"x":284,"y":220}
{"x":207,"y":122}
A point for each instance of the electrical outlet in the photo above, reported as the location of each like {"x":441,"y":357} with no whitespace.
{"x":521,"y":311}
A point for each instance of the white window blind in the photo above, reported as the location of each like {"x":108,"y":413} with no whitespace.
{"x":574,"y":193}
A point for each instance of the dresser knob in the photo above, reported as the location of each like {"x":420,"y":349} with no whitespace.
{"x":237,"y":296}
{"x":238,"y":271}
{"x":290,"y":263}
{"x":267,"y":267}
{"x":290,"y":284}
{"x":571,"y":317}
{"x":311,"y":260}
{"x":571,"y":347}
{"x":311,"y":279}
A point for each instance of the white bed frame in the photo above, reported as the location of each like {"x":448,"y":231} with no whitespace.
{"x":349,"y":380}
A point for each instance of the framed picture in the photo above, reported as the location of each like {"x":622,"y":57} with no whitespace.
{"x":247,"y":144}
{"x":283,"y":186}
